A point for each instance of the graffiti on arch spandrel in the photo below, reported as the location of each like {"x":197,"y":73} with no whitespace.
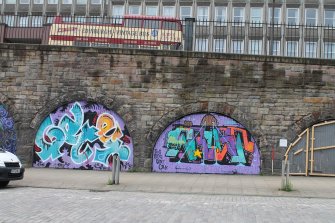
{"x":82,"y":135}
{"x":206,"y":143}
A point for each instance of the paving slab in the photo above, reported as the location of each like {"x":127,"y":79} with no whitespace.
{"x":182,"y":183}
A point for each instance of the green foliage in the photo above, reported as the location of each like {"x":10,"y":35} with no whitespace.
{"x":110,"y":181}
{"x":288,"y":187}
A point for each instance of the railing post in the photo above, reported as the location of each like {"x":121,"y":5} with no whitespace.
{"x":188,"y":34}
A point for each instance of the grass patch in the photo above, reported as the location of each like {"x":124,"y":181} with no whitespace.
{"x":109,"y":181}
{"x":288,"y":187}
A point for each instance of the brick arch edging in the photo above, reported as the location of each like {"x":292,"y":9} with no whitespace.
{"x":113,"y":104}
{"x":250,"y":123}
{"x":309,"y":120}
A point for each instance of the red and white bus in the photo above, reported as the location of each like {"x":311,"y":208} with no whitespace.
{"x":128,"y":31}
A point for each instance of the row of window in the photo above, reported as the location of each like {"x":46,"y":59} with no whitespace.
{"x":256,"y":14}
{"x":255,"y":47}
{"x":80,"y":2}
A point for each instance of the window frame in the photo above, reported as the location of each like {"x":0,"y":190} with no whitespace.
{"x":218,"y":49}
{"x":330,"y":52}
{"x":203,"y":18}
{"x":259,"y":48}
{"x":239,"y":22}
{"x":257,"y":23}
{"x":295,"y":18}
{"x":314,"y":52}
{"x":205,"y":43}
{"x":278,"y":23}
{"x":277,"y":43}
{"x":296,"y":54}
{"x":151,"y":6}
{"x":81,"y":3}
{"x":130,"y":7}
{"x":24,"y":3}
{"x":95,"y":2}
{"x":333,"y":18}
{"x":169,"y":7}
{"x":52,"y":2}
{"x":67,"y":3}
{"x":239,"y":44}
{"x":316,"y":16}
{"x":216,"y":16}
{"x":10,"y":2}
{"x":180,"y":12}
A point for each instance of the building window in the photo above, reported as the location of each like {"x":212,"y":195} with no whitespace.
{"x":185,"y":12}
{"x":238,"y":15}
{"x":67,"y":1}
{"x":220,"y":15}
{"x":256,"y":16}
{"x":10,"y":1}
{"x":38,"y":2}
{"x":134,"y":10}
{"x":292,"y":16}
{"x":275,"y":48}
{"x":201,"y":45}
{"x":9,"y":20}
{"x":202,"y":15}
{"x":255,"y":47}
{"x":329,"y":51}
{"x":292,"y":48}
{"x":310,"y":49}
{"x":24,"y":2}
{"x":330,"y":18}
{"x":169,"y":11}
{"x":96,"y":2}
{"x":219,"y":45}
{"x":276,"y":18}
{"x":237,"y":46}
{"x":81,"y":2}
{"x":37,"y":21}
{"x":117,"y":14}
{"x":152,"y":10}
{"x":52,"y":2}
{"x":311,"y":17}
{"x":23,"y":21}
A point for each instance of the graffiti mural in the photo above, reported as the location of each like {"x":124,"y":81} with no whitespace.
{"x":7,"y":131}
{"x":206,"y":143}
{"x":82,"y":135}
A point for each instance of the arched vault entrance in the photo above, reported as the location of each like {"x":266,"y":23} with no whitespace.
{"x":206,"y":143}
{"x":313,"y":152}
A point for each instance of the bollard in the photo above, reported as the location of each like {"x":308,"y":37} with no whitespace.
{"x":283,"y":175}
{"x":116,"y":169}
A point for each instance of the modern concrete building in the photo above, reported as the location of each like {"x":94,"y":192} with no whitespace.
{"x":246,"y":28}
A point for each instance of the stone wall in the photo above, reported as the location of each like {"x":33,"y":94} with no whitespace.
{"x":273,"y":97}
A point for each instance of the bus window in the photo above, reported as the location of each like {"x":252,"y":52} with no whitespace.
{"x":151,"y":24}
{"x":170,"y":25}
{"x":80,"y":43}
{"x":67,"y":19}
{"x":80,"y":19}
{"x":133,"y":23}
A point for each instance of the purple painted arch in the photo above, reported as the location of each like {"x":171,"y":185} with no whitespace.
{"x":206,"y":143}
{"x":82,"y":135}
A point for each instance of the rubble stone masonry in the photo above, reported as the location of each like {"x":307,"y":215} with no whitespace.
{"x":273,"y":97}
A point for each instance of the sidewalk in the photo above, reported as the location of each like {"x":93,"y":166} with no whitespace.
{"x":311,"y":187}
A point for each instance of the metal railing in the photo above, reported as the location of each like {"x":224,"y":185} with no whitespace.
{"x":253,"y":38}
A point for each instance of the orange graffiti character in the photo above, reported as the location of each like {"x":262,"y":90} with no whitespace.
{"x":108,"y":128}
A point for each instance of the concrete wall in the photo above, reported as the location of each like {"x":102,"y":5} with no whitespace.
{"x":272,"y":98}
